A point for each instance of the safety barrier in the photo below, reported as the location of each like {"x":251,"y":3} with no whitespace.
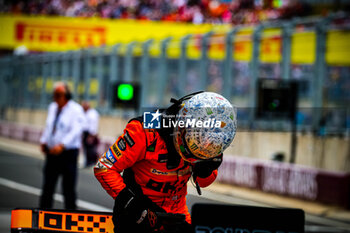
{"x":287,"y":179}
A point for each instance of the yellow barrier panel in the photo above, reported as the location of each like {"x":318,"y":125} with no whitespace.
{"x":194,"y":47}
{"x":154,"y":49}
{"x":49,"y":85}
{"x":217,"y":48}
{"x":243,"y":45}
{"x":80,"y":88}
{"x":93,"y":90}
{"x":338,"y":48}
{"x":174,"y":48}
{"x":271,"y":46}
{"x":303,"y":48}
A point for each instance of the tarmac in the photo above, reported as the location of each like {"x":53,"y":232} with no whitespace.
{"x":252,"y":196}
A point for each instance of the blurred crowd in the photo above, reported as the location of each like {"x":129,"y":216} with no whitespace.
{"x":193,"y":11}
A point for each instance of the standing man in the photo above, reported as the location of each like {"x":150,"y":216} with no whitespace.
{"x":60,"y":142}
{"x":90,"y":138}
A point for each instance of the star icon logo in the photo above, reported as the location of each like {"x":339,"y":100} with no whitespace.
{"x":155,"y":115}
{"x":151,"y":120}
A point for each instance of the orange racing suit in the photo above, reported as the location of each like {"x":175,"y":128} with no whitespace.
{"x":145,"y":152}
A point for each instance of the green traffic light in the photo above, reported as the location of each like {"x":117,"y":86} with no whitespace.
{"x":272,"y":106}
{"x":125,"y":92}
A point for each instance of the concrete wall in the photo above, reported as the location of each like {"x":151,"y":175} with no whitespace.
{"x":330,"y":153}
{"x":108,"y":126}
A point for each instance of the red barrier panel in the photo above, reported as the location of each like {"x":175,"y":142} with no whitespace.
{"x":291,"y":180}
{"x":32,"y":135}
{"x":5,"y":129}
{"x":17,"y":132}
{"x":287,"y":179}
{"x":239,"y":171}
{"x":334,"y":188}
{"x":20,"y":132}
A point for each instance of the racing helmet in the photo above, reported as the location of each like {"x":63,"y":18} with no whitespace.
{"x":206,"y":126}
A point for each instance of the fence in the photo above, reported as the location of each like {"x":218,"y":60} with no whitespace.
{"x":313,"y":51}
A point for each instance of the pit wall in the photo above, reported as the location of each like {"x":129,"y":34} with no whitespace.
{"x":321,"y":172}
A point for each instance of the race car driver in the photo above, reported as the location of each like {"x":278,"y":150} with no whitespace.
{"x":147,"y":169}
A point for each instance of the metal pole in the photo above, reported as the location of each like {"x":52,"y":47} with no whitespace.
{"x":32,"y":101}
{"x":60,"y":66}
{"x":320,"y":72}
{"x":12,"y":78}
{"x":204,"y":61}
{"x":162,"y":78}
{"x":229,"y":60}
{"x":254,"y":67}
{"x":144,"y":75}
{"x":100,"y":69}
{"x":183,"y":65}
{"x":113,"y":63}
{"x":45,"y":76}
{"x":128,"y":64}
{"x":87,"y":73}
{"x":287,"y":30}
{"x":53,"y":72}
{"x":65,"y":65}
{"x":38,"y":79}
{"x":76,"y":56}
{"x":113,"y":74}
{"x":3,"y":87}
{"x":27,"y":64}
{"x":294,"y":141}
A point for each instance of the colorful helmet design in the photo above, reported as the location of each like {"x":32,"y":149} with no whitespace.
{"x":206,"y":126}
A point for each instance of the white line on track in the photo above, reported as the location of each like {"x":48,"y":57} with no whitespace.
{"x":57,"y":197}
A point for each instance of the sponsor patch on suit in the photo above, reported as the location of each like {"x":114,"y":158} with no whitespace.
{"x":116,"y":151}
{"x":121,"y":144}
{"x":110,"y":156}
{"x":129,"y":139}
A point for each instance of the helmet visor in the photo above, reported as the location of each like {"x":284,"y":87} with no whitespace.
{"x":184,"y":150}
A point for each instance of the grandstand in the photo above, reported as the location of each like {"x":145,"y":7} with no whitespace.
{"x":193,"y":11}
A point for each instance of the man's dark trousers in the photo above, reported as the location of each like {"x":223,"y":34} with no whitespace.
{"x":90,"y":143}
{"x":65,"y":165}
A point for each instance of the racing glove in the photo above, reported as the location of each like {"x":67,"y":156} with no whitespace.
{"x":128,"y":204}
{"x":205,"y":168}
{"x":132,"y":209}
